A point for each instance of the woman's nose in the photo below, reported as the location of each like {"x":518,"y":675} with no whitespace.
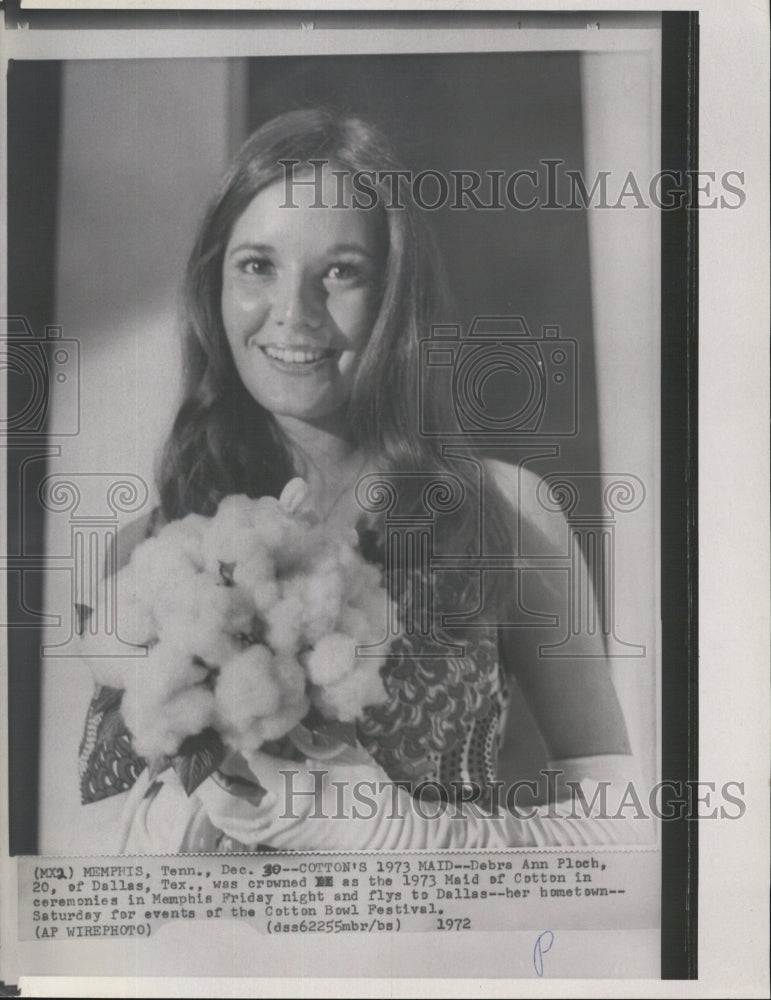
{"x":299,"y":302}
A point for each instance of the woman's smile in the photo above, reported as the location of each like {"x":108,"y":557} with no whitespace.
{"x":297,"y":360}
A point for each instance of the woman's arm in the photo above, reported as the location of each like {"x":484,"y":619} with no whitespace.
{"x":573,"y":699}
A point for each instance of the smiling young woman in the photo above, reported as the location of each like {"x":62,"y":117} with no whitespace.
{"x":302,"y":346}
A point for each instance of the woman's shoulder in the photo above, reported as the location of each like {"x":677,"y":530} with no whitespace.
{"x":512,"y":480}
{"x":520,"y":488}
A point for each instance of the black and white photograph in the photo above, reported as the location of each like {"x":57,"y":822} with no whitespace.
{"x":350,"y":439}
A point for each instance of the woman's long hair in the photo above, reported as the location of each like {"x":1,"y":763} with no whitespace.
{"x":222,"y":440}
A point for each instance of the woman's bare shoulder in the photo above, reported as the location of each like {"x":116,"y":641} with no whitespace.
{"x":511,"y":478}
{"x":519,"y":486}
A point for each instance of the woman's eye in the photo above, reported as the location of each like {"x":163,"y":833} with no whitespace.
{"x":256,"y":266}
{"x":344,"y":272}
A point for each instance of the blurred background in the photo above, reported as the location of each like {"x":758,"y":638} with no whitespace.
{"x":110,"y":167}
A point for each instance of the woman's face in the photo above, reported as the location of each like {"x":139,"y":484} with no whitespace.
{"x":300,"y":294}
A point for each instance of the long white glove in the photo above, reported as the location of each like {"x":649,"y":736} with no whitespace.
{"x":349,"y":804}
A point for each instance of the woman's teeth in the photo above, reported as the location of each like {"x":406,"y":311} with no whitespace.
{"x":296,"y":356}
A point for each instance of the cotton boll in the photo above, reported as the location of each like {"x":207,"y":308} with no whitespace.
{"x":249,"y":739}
{"x":346,"y":699}
{"x":378,"y":608}
{"x":115,"y":671}
{"x":323,"y":594}
{"x":149,"y":690}
{"x":284,"y":623}
{"x":269,"y":520}
{"x":266,"y":508}
{"x":362,"y":587}
{"x":278,"y":725}
{"x":236,"y":510}
{"x":225,"y":545}
{"x":164,"y":701}
{"x":361,"y":581}
{"x":273,"y":727}
{"x":191,"y":711}
{"x":189,"y":532}
{"x":290,"y":676}
{"x":163,"y":731}
{"x":355,"y":623}
{"x":155,"y":741}
{"x":194,"y":613}
{"x":168,"y":671}
{"x":361,"y":577}
{"x":247,"y":689}
{"x":134,"y":610}
{"x":159,"y":564}
{"x":240,"y":612}
{"x":242,"y":526}
{"x":265,"y":595}
{"x":332,"y":658}
{"x":254,"y":566}
{"x":198,"y":637}
{"x":230,"y":536}
{"x":128,"y":583}
{"x":358,"y":572}
{"x":348,"y":554}
{"x":257,"y":575}
{"x":136,"y":622}
{"x":195,"y":638}
{"x":260,"y":697}
{"x":219,"y":649}
{"x":201,"y":594}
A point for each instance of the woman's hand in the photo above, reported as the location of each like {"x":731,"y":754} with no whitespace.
{"x":329,"y":804}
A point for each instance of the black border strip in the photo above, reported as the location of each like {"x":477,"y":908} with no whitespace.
{"x":33,"y":159}
{"x":679,"y":456}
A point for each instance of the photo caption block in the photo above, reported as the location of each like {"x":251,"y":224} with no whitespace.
{"x":78,"y":898}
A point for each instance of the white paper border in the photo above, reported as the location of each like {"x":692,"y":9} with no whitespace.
{"x":734,"y":549}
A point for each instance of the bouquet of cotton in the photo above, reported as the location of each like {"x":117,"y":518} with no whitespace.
{"x":251,"y":619}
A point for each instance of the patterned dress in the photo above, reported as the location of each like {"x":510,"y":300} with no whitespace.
{"x":442,"y":719}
